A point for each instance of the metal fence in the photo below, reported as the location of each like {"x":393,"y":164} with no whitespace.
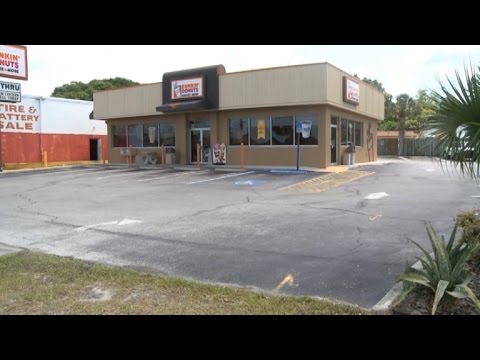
{"x":411,"y":147}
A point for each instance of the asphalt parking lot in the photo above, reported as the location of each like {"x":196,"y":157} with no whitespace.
{"x":251,"y":228}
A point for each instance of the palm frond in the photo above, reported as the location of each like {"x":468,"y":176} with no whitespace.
{"x":457,"y":106}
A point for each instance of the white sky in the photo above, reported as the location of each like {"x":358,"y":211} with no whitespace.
{"x":400,"y":68}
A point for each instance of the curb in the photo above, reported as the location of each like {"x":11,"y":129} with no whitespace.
{"x":8,"y":249}
{"x":40,"y":169}
{"x":229,"y":170}
{"x":386,"y":302}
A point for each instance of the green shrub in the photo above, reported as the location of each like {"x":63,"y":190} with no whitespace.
{"x":444,"y":272}
{"x":469,"y":222}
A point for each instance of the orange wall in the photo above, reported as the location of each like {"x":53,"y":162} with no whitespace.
{"x":20,"y":148}
{"x":27,"y":148}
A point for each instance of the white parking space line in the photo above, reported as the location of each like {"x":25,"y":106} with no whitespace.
{"x":221,"y":177}
{"x":125,"y":173}
{"x":83,"y":228}
{"x":109,"y":171}
{"x":173,"y":175}
{"x":67,"y":172}
{"x":121,"y":222}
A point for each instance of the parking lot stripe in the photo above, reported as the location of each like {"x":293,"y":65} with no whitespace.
{"x":66,"y":172}
{"x":326,"y":182}
{"x":125,"y":173}
{"x":220,"y":177}
{"x":174,"y":175}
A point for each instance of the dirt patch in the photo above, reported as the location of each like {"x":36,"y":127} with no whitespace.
{"x":98,"y":294}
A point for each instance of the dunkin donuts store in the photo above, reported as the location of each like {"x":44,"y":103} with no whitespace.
{"x":263,"y":109}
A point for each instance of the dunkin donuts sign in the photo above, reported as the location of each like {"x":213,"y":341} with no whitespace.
{"x":13,"y":62}
{"x":187,"y":88}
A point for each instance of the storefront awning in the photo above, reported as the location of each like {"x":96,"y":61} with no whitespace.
{"x":184,"y":106}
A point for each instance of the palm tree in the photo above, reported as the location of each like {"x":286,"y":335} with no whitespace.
{"x":456,"y":123}
{"x":404,"y":107}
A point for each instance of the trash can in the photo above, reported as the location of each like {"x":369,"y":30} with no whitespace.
{"x":349,"y":155}
{"x":348,"y":159}
{"x":169,"y":156}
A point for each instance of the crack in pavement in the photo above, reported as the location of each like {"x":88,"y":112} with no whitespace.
{"x":309,"y":205}
{"x":201,"y":212}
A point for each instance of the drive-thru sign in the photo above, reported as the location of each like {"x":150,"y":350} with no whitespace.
{"x":10,"y":92}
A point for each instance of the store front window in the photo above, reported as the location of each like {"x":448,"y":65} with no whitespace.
{"x":135,"y":135}
{"x":313,"y":138}
{"x":150,"y":135}
{"x":167,"y":134}
{"x":351,"y":132}
{"x":282,"y":130}
{"x":260,"y":131}
{"x":119,"y":133}
{"x":238,"y":131}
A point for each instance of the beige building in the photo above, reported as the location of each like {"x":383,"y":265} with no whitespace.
{"x":264,"y":109}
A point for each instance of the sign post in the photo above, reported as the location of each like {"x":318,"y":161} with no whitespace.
{"x":298,"y":130}
{"x":303,"y":128}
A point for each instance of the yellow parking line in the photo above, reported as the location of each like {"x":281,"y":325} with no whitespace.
{"x":327,"y":182}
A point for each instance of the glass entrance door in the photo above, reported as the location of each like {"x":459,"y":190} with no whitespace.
{"x":202,"y":137}
{"x":333,"y":143}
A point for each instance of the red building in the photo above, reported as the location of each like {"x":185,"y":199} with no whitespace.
{"x":61,"y":127}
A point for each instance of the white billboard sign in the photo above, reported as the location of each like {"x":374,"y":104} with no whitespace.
{"x":13,"y":62}
{"x":22,"y":117}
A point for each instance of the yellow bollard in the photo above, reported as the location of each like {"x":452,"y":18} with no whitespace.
{"x":241,"y":155}
{"x":198,"y":156}
{"x":45,"y":162}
